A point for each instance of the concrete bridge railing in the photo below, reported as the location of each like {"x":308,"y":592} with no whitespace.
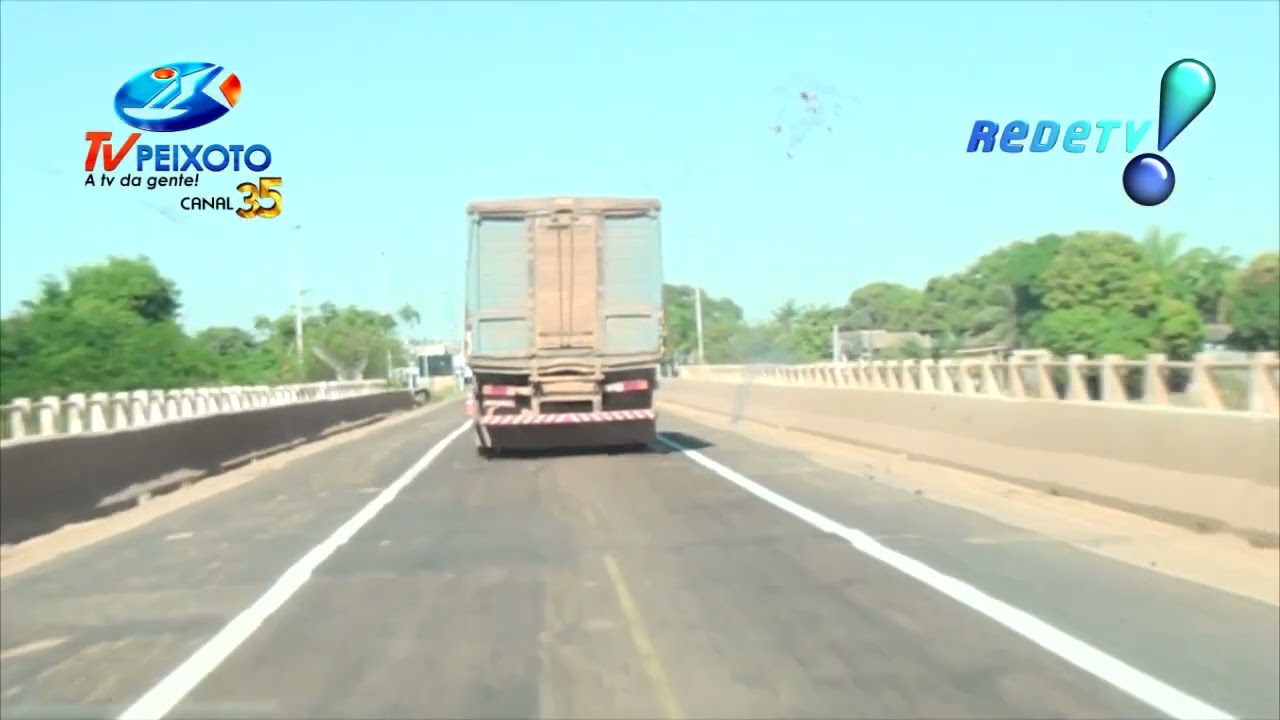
{"x":1206,"y":382}
{"x":66,"y":460}
{"x":51,"y":416}
{"x":1195,"y":443}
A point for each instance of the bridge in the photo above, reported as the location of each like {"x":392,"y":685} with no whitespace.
{"x":1030,"y":537}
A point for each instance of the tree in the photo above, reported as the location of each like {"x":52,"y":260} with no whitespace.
{"x":721,"y":320}
{"x":105,"y":327}
{"x":114,"y":326}
{"x":1164,"y":253}
{"x":1103,"y":296}
{"x":1204,"y":277}
{"x":409,"y":316}
{"x":1253,"y":307}
{"x":885,"y":306}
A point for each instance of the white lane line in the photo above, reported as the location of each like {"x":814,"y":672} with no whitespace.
{"x":1130,"y":680}
{"x":161,"y":699}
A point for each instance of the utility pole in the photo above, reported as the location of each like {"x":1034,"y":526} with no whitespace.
{"x":386,"y":289}
{"x":297,"y":296}
{"x":835,"y":343}
{"x":697,"y":322}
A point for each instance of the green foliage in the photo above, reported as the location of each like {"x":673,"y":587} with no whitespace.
{"x":1094,"y":293}
{"x":115,"y":326}
{"x":1253,"y":304}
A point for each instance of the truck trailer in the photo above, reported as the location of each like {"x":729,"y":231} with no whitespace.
{"x":564,"y":322}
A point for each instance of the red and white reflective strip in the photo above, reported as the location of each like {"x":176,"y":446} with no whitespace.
{"x":626,"y":386}
{"x":569,"y":418}
{"x":498,"y":390}
{"x":471,"y":406}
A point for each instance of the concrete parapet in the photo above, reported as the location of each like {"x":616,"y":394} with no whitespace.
{"x":51,"y":481}
{"x":1204,"y":468}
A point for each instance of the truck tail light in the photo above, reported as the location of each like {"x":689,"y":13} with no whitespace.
{"x":627,"y":386}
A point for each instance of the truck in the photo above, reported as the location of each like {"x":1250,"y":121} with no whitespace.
{"x":564,"y":326}
{"x":434,"y":371}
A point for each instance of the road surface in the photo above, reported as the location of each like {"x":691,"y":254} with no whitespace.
{"x":656,"y":584}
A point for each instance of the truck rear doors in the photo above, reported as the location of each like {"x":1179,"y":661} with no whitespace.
{"x":566,"y":283}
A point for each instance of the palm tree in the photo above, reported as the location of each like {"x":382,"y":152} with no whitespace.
{"x":1205,"y":276}
{"x":409,"y":316}
{"x":1163,"y":252}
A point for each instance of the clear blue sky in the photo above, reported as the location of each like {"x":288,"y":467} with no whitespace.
{"x":385,"y":119}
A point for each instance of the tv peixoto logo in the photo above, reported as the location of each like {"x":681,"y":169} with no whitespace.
{"x":173,"y":98}
{"x":178,"y":96}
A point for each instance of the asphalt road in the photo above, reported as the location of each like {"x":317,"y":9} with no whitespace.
{"x":607,"y":586}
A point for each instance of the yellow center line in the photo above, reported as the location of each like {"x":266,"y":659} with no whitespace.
{"x":644,"y":646}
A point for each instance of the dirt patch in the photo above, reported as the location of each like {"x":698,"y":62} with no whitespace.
{"x":38,"y":550}
{"x":1223,"y":562}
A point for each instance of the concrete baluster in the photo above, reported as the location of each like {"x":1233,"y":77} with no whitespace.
{"x":1112,"y":380}
{"x":1076,"y":388}
{"x":50,"y":415}
{"x":1205,"y":383}
{"x":1015,"y":384}
{"x":187,"y":403}
{"x":1045,"y":389}
{"x":926,"y":378}
{"x":201,"y":402}
{"x":19,"y":418}
{"x":848,"y":376}
{"x":99,"y":405}
{"x":946,"y":376}
{"x":155,"y":407}
{"x":121,"y":409}
{"x":1155,"y":391}
{"x":990,"y":384}
{"x":1262,"y":384}
{"x":965,"y":377}
{"x":74,"y":411}
{"x":893,"y":374}
{"x":172,"y":400}
{"x":908,"y":380}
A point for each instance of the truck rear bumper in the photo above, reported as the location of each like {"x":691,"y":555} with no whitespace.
{"x":608,"y":416}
